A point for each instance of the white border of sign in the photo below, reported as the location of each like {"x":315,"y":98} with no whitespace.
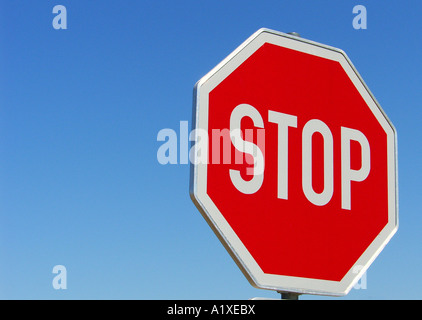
{"x":198,"y":175}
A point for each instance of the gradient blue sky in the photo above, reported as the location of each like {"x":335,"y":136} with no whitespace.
{"x":80,"y":109}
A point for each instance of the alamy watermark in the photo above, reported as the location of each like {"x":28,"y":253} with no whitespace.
{"x":60,"y":280}
{"x":361,"y":284}
{"x":60,"y":19}
{"x":178,"y":147}
{"x":360,"y":21}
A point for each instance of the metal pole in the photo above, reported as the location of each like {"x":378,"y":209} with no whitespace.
{"x":289,"y":295}
{"x":295,"y":34}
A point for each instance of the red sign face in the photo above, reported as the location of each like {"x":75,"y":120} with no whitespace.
{"x":299,"y":181}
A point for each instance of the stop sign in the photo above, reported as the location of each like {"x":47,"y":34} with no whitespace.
{"x":295,"y":164}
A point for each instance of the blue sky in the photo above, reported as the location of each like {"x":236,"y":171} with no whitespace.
{"x":80,"y":109}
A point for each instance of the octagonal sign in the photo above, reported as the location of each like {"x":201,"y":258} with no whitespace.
{"x":294,"y":165}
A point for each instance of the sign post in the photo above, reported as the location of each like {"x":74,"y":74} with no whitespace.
{"x":290,"y":144}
